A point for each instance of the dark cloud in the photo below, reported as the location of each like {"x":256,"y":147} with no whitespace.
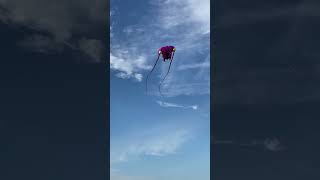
{"x":273,"y":145}
{"x":267,"y":85}
{"x":93,"y":48}
{"x":267,"y":13}
{"x":270,"y":144}
{"x":40,"y":43}
{"x":66,"y":22}
{"x":267,"y":54}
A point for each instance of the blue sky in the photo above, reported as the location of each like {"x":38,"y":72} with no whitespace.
{"x":154,"y":137}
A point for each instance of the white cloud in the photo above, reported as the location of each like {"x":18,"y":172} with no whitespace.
{"x":127,"y":66}
{"x":167,"y":104}
{"x":121,"y":64}
{"x":193,"y":66}
{"x":165,"y":144}
{"x":195,"y":107}
{"x":112,"y":12}
{"x":152,"y":142}
{"x":122,"y":75}
{"x":138,"y":77}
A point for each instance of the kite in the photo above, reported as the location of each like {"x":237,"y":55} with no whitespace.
{"x":167,"y":53}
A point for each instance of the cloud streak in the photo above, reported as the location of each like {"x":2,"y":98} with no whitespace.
{"x":172,"y":105}
{"x":193,"y":66}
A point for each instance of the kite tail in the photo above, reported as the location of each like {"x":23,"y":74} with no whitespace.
{"x":151,"y":72}
{"x":164,"y":77}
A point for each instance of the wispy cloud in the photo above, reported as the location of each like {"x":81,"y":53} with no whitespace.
{"x":118,"y":175}
{"x":164,"y":27}
{"x":191,"y":11}
{"x":167,"y":104}
{"x":171,"y":90}
{"x":191,"y":38}
{"x":153,"y":142}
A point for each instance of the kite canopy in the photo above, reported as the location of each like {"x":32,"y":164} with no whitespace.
{"x":167,"y":53}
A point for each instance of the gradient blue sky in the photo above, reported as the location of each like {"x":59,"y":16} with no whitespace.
{"x":154,"y":137}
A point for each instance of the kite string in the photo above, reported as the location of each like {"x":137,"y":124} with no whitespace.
{"x":151,"y":72}
{"x":165,"y":77}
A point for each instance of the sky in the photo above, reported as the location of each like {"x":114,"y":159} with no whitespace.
{"x":54,"y":74}
{"x":154,"y":137}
